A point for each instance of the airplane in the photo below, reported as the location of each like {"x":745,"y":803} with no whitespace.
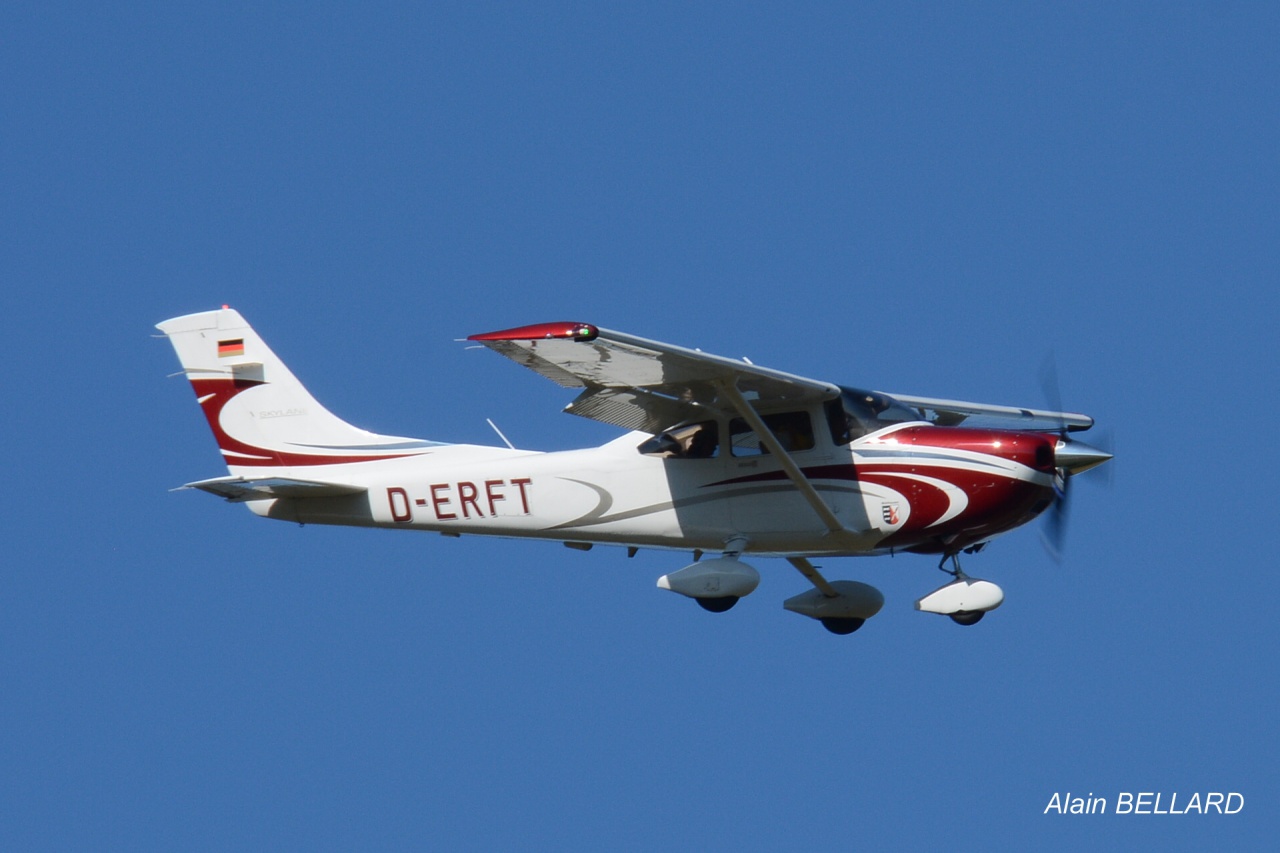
{"x":720,"y":457}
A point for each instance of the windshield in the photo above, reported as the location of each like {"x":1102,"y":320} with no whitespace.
{"x":859,"y":412}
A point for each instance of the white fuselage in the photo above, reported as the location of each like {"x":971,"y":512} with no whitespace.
{"x":615,"y":494}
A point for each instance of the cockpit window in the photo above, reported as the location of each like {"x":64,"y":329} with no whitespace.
{"x":793,"y":430}
{"x":858,"y":412}
{"x":692,"y":441}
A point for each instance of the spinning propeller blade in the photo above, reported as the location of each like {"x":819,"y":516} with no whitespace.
{"x":1054,"y":533}
{"x":1070,"y":458}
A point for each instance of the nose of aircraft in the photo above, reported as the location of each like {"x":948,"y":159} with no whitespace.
{"x":1076,"y":456}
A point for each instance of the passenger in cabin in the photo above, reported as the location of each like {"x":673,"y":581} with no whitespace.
{"x":695,"y":441}
{"x":703,"y":444}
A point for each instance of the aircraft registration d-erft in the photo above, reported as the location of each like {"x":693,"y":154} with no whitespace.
{"x":722,"y":457}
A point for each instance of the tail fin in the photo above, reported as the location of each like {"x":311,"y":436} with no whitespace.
{"x":261,"y":415}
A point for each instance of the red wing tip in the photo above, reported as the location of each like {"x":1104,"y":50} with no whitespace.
{"x":542,"y":331}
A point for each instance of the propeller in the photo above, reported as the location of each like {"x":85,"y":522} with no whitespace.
{"x":1071,"y":457}
{"x":1054,"y":532}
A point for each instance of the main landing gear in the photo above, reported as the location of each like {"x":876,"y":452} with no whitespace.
{"x":966,"y":600}
{"x":715,"y":584}
{"x":842,"y":625}
{"x":719,"y":604}
{"x":841,"y":607}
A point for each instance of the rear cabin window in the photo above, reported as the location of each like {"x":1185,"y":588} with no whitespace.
{"x":793,"y":430}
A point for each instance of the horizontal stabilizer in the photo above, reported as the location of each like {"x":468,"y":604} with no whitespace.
{"x":239,"y":489}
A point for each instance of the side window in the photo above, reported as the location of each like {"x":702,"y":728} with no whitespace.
{"x":693,"y":441}
{"x":794,"y":431}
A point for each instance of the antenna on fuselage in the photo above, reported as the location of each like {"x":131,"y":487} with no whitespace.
{"x":505,"y":440}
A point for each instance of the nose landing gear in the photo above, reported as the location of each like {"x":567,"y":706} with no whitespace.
{"x":966,"y":600}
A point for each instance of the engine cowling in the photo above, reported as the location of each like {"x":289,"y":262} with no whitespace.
{"x":722,"y":577}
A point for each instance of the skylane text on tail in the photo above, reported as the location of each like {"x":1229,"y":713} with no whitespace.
{"x":721,"y":456}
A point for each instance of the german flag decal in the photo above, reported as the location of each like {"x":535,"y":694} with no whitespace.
{"x":227,"y":349}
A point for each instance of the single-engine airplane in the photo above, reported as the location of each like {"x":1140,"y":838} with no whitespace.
{"x":722,"y":457}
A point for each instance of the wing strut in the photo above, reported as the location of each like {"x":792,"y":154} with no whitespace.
{"x":814,"y":576}
{"x":730,"y":391}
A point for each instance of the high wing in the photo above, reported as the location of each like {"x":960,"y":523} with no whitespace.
{"x":639,"y":384}
{"x":646,"y":385}
{"x":953,"y":412}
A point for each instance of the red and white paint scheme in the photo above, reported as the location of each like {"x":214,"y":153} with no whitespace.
{"x":720,"y":456}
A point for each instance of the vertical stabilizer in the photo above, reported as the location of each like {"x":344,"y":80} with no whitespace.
{"x":261,"y":415}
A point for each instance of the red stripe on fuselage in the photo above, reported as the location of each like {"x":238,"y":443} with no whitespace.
{"x":995,"y":503}
{"x":1032,"y":449}
{"x":219,"y":392}
{"x":813,"y":472}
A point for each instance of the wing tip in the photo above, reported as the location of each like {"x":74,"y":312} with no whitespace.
{"x":541,"y":331}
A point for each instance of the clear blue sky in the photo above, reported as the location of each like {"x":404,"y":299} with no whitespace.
{"x":924,"y":198}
